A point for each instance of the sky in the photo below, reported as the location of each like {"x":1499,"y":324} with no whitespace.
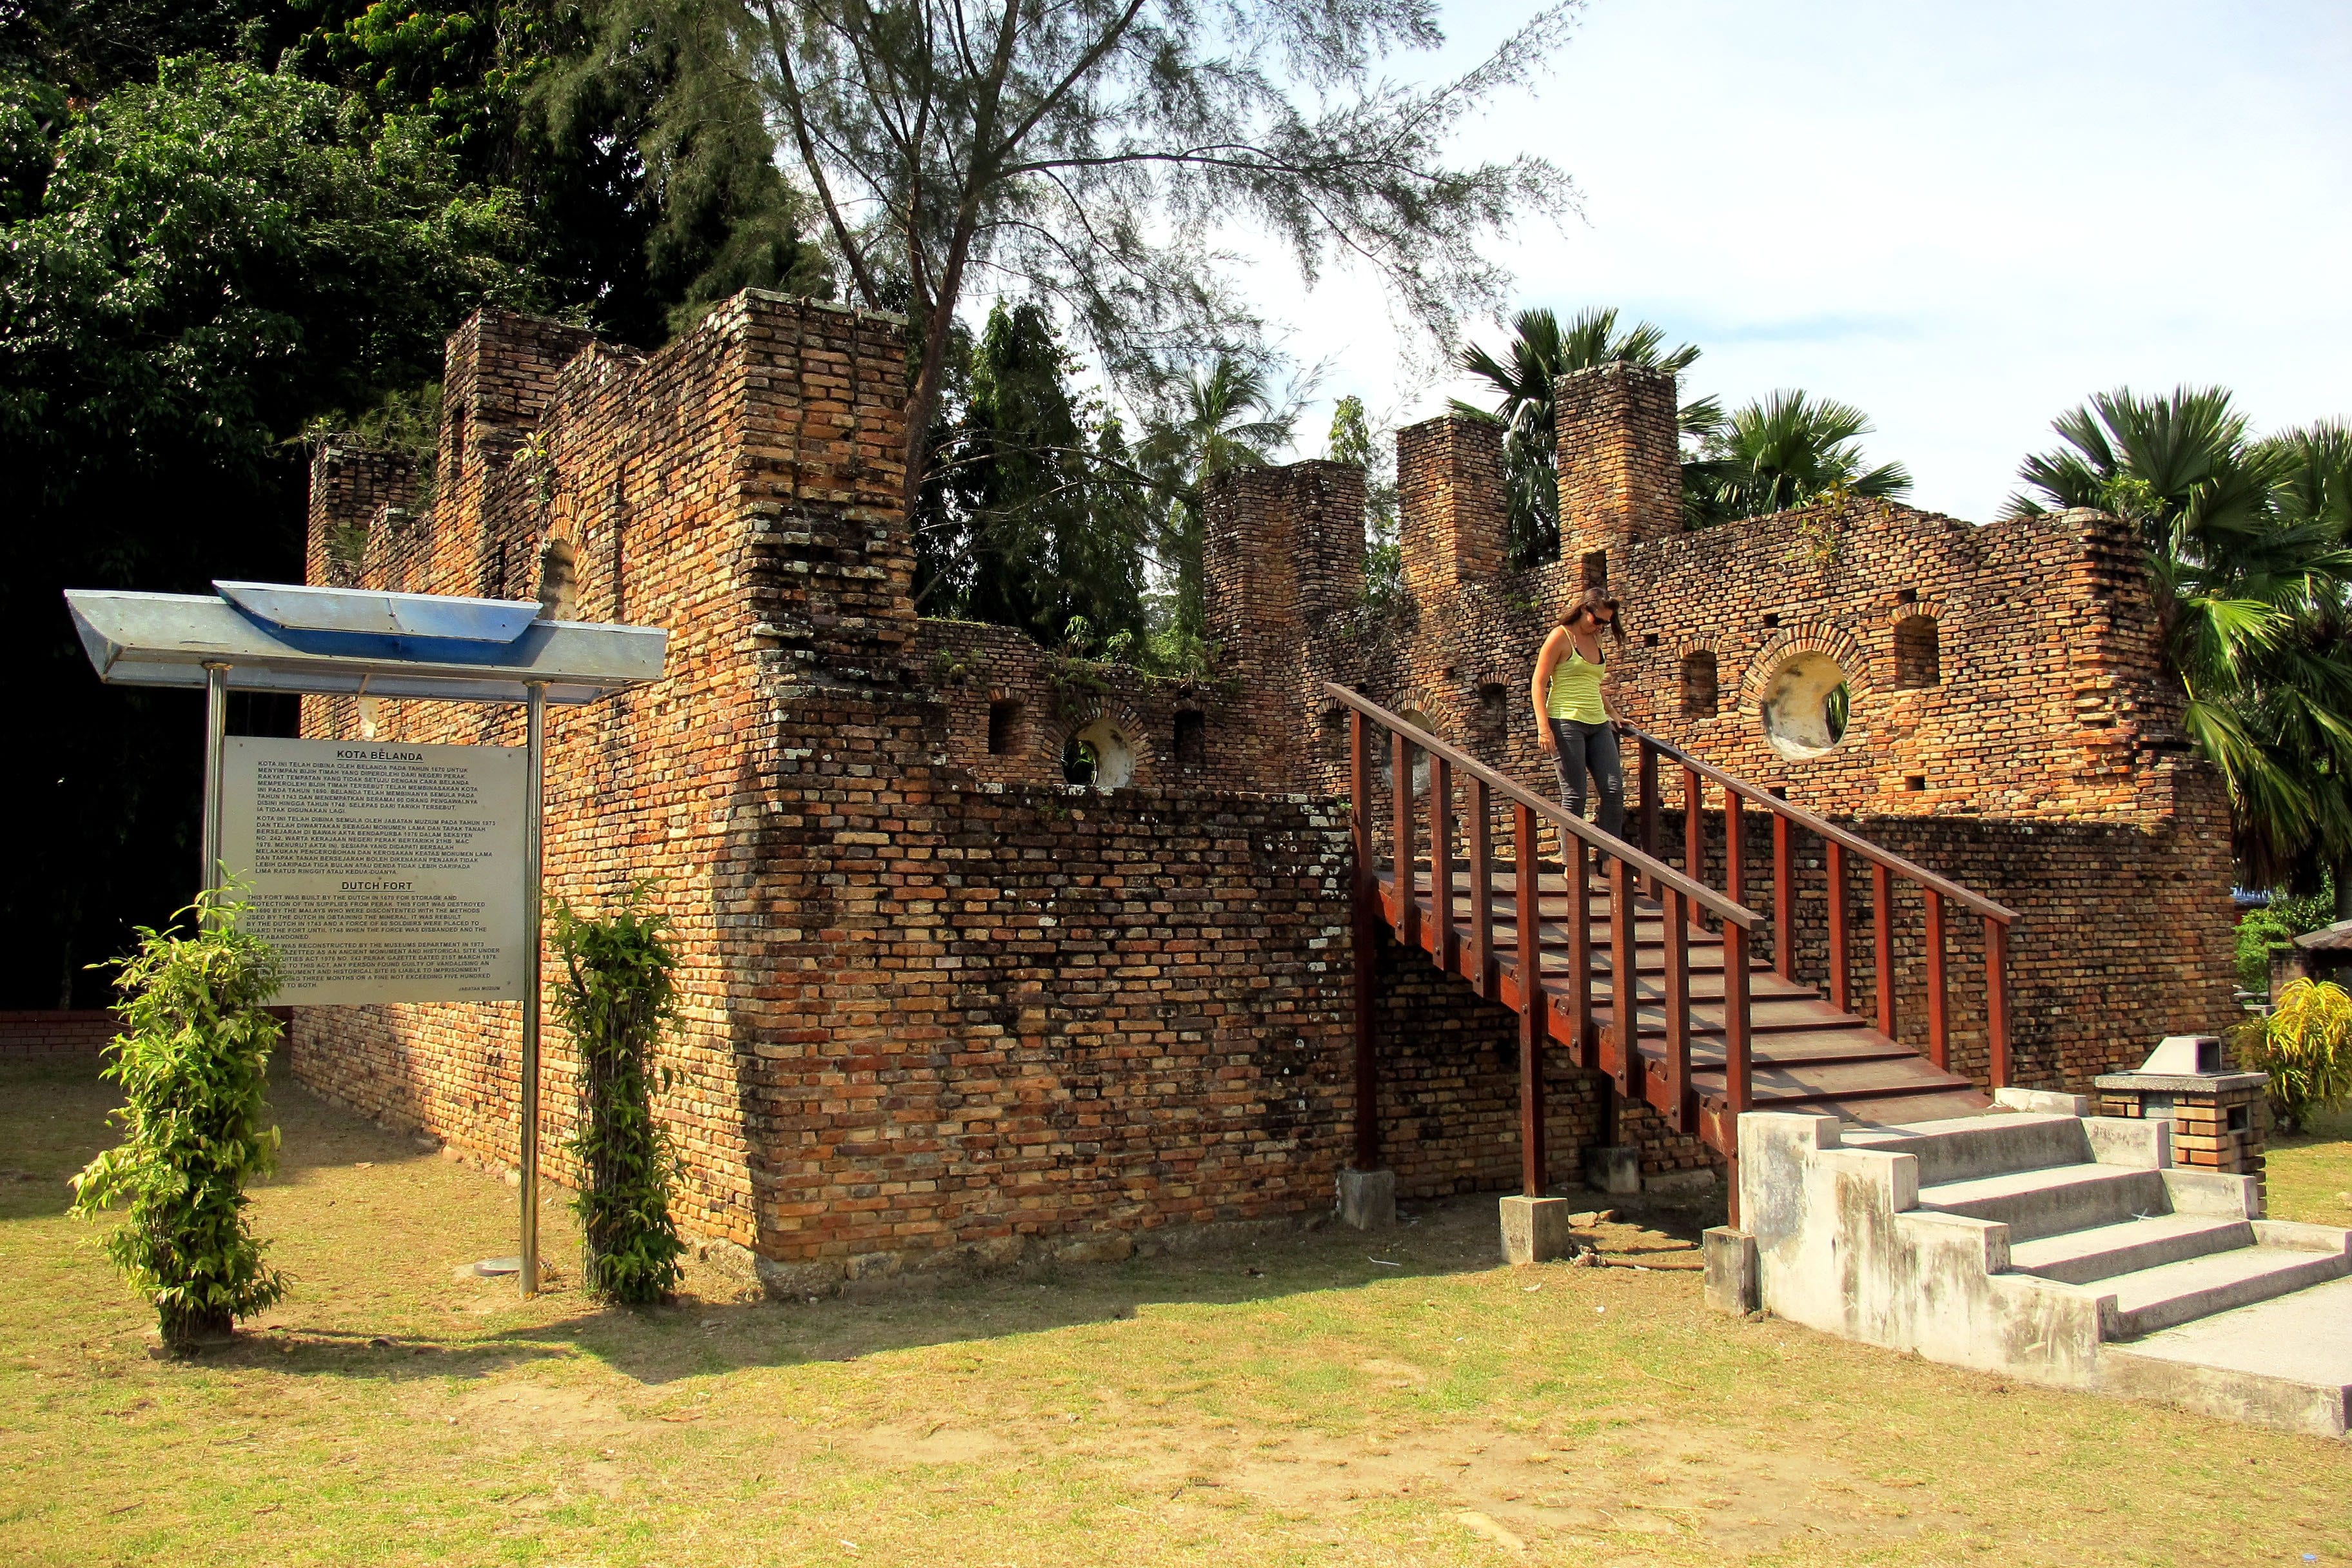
{"x":1963,"y":218}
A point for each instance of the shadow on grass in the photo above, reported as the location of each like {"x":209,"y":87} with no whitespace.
{"x":718,"y":1326}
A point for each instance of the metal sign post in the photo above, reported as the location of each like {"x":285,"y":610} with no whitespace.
{"x":346,"y":642}
{"x":534,"y":783}
{"x":215,"y":745}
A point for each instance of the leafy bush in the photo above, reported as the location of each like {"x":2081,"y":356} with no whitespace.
{"x":617,"y":993}
{"x":2282,"y":919}
{"x":2305,"y":1044}
{"x":190,"y":1061}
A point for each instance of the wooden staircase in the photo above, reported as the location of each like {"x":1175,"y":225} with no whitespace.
{"x":1714,"y":1030}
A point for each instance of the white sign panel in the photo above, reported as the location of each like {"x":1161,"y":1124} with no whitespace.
{"x":381,"y":871}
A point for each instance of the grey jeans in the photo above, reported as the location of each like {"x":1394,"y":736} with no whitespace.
{"x":1585,"y":749}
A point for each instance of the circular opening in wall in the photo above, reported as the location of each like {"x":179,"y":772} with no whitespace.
{"x":1099,"y":755}
{"x":1387,"y":759}
{"x":1804,"y":706}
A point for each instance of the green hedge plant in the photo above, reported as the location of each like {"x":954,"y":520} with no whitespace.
{"x":616,"y":994}
{"x":191,"y":1059}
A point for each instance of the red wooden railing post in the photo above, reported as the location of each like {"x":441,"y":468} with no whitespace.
{"x":1649,"y":785}
{"x":1367,"y":935}
{"x":1841,"y":968}
{"x":1739,"y":1083}
{"x":1677,"y":923}
{"x":1623,"y":968}
{"x":1693,"y":834}
{"x":1882,"y":928}
{"x":1735,"y":848}
{"x":1407,"y":906}
{"x":1580,"y":947}
{"x":1996,"y":999}
{"x":1940,"y":1050}
{"x":1534,"y":1174}
{"x":1784,"y":899}
{"x":1482,"y":889}
{"x":1441,"y":861}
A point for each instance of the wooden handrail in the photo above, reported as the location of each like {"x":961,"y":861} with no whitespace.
{"x":1824,"y":827}
{"x":1656,"y":871}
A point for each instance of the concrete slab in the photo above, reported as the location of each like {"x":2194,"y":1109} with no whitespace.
{"x":1367,"y":1199}
{"x":2282,"y":1363}
{"x":2174,"y":1293}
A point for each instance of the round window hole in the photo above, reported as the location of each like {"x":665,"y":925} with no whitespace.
{"x":1099,"y":755}
{"x":1804,"y":706}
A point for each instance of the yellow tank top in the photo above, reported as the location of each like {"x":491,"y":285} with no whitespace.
{"x":1576,"y":690}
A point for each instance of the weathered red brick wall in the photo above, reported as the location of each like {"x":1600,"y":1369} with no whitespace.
{"x":999,"y":686}
{"x":929,"y":1017}
{"x":64,"y":1032}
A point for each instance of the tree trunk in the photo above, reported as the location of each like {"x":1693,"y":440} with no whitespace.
{"x":2339,"y":872}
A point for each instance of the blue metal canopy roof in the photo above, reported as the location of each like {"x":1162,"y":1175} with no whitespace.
{"x":276,"y":637}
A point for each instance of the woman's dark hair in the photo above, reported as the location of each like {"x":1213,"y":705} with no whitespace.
{"x":1585,"y":605}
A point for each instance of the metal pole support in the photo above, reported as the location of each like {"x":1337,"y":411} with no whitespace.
{"x":216,"y":762}
{"x":534,"y":772}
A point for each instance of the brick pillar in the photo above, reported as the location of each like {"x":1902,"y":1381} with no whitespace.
{"x":351,"y":488}
{"x":1283,"y":558}
{"x":1451,"y":506}
{"x":1621,"y":478}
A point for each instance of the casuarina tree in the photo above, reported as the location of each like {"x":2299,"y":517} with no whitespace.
{"x":1101,"y":154}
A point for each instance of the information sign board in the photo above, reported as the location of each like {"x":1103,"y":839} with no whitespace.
{"x":381,"y":871}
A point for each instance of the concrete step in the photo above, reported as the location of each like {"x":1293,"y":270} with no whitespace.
{"x":1974,"y":1147}
{"x":2102,"y":1252}
{"x":2035,"y":1203}
{"x":2176,"y":1293}
{"x":2284,"y":1362}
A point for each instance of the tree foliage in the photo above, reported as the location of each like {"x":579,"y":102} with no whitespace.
{"x":1784,"y":450}
{"x":634,"y":143}
{"x":1037,"y":513}
{"x":191,"y":1059}
{"x":1094,"y":155}
{"x":617,"y":995}
{"x":1526,"y":379}
{"x":1353,"y":440}
{"x":2248,"y":552}
{"x":215,"y":257}
{"x":1222,"y":416}
{"x":229,"y":223}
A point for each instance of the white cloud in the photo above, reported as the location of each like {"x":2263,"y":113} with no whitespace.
{"x":1961,"y":218}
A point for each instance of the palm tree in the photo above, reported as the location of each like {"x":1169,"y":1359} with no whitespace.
{"x":2247,"y":551}
{"x":1785,"y":450}
{"x":1541,"y":351}
{"x":1224,"y":417}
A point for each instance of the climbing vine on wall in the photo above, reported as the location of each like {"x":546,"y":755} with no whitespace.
{"x":616,"y":994}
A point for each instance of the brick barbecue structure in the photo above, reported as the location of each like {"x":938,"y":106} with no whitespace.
{"x":944,"y":1009}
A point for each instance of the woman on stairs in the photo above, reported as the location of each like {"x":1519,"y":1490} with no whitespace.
{"x":1574,"y":722}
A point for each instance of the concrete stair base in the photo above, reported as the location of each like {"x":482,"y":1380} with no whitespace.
{"x":2058,"y":1247}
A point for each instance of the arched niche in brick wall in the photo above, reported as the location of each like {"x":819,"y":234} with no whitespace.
{"x":1698,"y":680}
{"x":1916,"y":645}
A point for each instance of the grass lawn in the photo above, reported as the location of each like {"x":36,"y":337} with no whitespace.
{"x":1294,"y":1404}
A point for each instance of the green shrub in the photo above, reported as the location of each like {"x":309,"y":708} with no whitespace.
{"x":617,"y":995}
{"x":2285,"y":918}
{"x":2305,"y":1044}
{"x":191,"y":1059}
